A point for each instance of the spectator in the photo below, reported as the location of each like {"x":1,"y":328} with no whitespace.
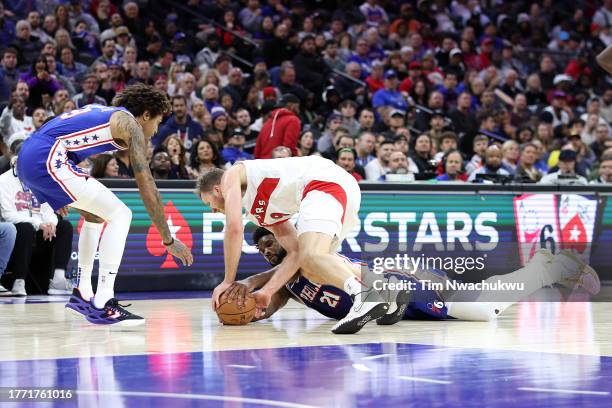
{"x":28,"y":47}
{"x":399,"y":164}
{"x":38,"y":228}
{"x":352,"y":87}
{"x":365,"y":148}
{"x":605,"y":174}
{"x":332,"y":57}
{"x":9,"y":75}
{"x":160,"y":166}
{"x":7,"y":28}
{"x":281,"y":129}
{"x":341,"y":139}
{"x":423,"y":116}
{"x":8,"y":233}
{"x":348,"y":109}
{"x":281,"y":152}
{"x":204,"y":157}
{"x":447,"y":142}
{"x":566,"y":172}
{"x":234,"y":149}
{"x":181,"y":124}
{"x":558,"y":109}
{"x":346,"y":160}
{"x":109,"y":52}
{"x":510,"y":153}
{"x":220,"y":123}
{"x":105,"y":166}
{"x":379,"y":167}
{"x":211,"y":96}
{"x":90,"y":87}
{"x":288,"y":84}
{"x":452,"y":164}
{"x":40,"y":82}
{"x":390,"y":96}
{"x":243,"y":117}
{"x":235,"y":87}
{"x":602,"y":140}
{"x":278,"y":49}
{"x":70,"y":68}
{"x":366,"y":120}
{"x":306,"y":145}
{"x":311,"y":69}
{"x":526,"y":171}
{"x":187,"y":87}
{"x":14,"y":119}
{"x":421,"y":154}
{"x":250,"y":17}
{"x":176,"y":151}
{"x":492,"y":164}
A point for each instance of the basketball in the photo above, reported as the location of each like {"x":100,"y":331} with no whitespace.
{"x":232,"y":315}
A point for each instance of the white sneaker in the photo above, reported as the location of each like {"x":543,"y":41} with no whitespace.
{"x":577,"y":272}
{"x":19,"y":288}
{"x":4,"y":291}
{"x":59,"y":287}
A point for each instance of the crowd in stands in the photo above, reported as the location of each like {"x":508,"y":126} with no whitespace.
{"x":391,"y":90}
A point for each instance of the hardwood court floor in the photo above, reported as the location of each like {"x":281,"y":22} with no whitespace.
{"x":535,"y":354}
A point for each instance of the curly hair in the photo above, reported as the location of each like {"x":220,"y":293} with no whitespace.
{"x":139,"y":98}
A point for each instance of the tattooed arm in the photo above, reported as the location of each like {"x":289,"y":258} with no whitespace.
{"x":124,"y":126}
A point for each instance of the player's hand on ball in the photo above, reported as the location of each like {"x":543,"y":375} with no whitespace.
{"x":262,"y":300}
{"x":237,"y":292}
{"x":216,"y":295}
{"x":180,"y":250}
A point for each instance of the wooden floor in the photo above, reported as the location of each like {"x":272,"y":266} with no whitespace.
{"x":45,"y":330}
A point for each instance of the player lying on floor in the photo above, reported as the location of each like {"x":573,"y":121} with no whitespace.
{"x":544,"y":269}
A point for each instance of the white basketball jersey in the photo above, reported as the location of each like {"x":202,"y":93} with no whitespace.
{"x":275,"y":188}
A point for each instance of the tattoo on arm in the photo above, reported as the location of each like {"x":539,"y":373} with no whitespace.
{"x":132,"y":132}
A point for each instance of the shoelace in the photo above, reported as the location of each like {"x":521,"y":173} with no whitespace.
{"x":118,"y":307}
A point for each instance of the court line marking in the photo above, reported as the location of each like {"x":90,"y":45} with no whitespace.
{"x":206,"y":397}
{"x":361,"y":367}
{"x":562,"y":391}
{"x":427,"y":380}
{"x":376,"y":356}
{"x":240,"y":366}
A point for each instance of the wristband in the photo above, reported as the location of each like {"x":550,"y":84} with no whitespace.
{"x":168,"y":244}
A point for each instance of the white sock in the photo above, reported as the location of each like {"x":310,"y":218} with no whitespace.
{"x":353,"y":286}
{"x":111,"y":252}
{"x":88,"y":244}
{"x":106,"y":284}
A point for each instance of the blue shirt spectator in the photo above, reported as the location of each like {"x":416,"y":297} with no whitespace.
{"x":390,"y":95}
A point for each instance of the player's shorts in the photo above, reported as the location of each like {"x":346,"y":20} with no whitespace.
{"x":45,"y":167}
{"x":331,"y":208}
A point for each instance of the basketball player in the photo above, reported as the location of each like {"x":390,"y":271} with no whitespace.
{"x":327,"y":199}
{"x":544,"y":269}
{"x":47,"y":164}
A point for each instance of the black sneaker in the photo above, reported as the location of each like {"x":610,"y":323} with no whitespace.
{"x":398,"y":302}
{"x":114,"y":313}
{"x":361,"y":313}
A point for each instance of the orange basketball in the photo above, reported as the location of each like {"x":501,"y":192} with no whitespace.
{"x":231,"y":314}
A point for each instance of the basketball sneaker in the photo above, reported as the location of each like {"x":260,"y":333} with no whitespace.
{"x":4,"y":291}
{"x":19,"y":288}
{"x":59,"y":287}
{"x":398,"y":302}
{"x":367,"y":305}
{"x":77,"y":304}
{"x":577,"y":273}
{"x":114,"y":313}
